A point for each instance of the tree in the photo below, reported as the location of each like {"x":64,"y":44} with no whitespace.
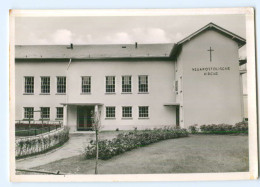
{"x":96,"y":127}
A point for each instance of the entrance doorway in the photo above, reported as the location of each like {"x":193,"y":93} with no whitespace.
{"x":85,"y":116}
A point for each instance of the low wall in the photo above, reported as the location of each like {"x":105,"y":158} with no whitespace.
{"x":33,"y":145}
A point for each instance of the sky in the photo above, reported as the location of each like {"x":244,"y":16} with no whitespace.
{"x":118,"y":29}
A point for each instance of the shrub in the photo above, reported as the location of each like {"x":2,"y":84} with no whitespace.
{"x":131,"y":140}
{"x":241,"y":127}
{"x":41,"y":144}
{"x":193,"y":129}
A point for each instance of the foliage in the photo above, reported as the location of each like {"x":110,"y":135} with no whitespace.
{"x":193,"y":129}
{"x":241,"y":127}
{"x":40,"y":144}
{"x":131,"y":140}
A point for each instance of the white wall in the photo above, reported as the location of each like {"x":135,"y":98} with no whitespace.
{"x":160,"y":81}
{"x":37,"y":100}
{"x":209,"y":99}
{"x":161,"y":90}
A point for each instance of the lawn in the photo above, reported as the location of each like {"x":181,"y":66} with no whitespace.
{"x":194,"y":154}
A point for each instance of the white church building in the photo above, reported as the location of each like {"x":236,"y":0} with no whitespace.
{"x":195,"y":81}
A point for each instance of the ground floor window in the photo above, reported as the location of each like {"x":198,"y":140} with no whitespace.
{"x":111,"y":112}
{"x":143,"y":111}
{"x":45,"y":112}
{"x":59,"y":112}
{"x":28,"y":112}
{"x":126,"y":111}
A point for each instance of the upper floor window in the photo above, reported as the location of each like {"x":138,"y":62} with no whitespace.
{"x":59,"y":112}
{"x":86,"y":84}
{"x":45,"y":112}
{"x":143,"y":83}
{"x":110,"y":84}
{"x":143,"y":111}
{"x":126,"y":84}
{"x":45,"y":85}
{"x":111,"y":112}
{"x":126,"y":111}
{"x":61,"y":84}
{"x":28,"y":112}
{"x":29,"y":85}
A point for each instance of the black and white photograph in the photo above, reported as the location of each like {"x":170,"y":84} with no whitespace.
{"x":132,"y":95}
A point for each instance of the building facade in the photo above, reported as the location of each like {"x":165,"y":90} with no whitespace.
{"x":195,"y":81}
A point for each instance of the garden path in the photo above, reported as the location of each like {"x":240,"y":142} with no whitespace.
{"x":75,"y":146}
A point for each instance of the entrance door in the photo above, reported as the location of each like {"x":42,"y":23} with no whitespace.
{"x":177,"y":116}
{"x":85,"y":118}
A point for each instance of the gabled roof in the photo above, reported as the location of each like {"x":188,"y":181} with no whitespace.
{"x":211,"y":26}
{"x":176,"y":50}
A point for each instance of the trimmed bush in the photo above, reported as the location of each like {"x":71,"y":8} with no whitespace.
{"x":131,"y":140}
{"x":193,"y":129}
{"x":30,"y":146}
{"x":241,"y":127}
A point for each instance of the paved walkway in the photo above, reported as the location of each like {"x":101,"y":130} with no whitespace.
{"x":75,"y":146}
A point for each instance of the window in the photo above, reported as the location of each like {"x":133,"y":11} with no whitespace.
{"x":111,"y":112}
{"x":45,"y":85}
{"x":126,"y":84}
{"x":61,"y":84}
{"x":143,"y":111}
{"x":28,"y":112}
{"x":110,"y":84}
{"x":143,"y":83}
{"x":176,"y":86}
{"x":59,"y":112}
{"x":86,"y":85}
{"x":29,"y":85}
{"x":45,"y":113}
{"x":127,"y":112}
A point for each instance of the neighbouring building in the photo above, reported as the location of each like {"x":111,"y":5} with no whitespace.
{"x":195,"y":81}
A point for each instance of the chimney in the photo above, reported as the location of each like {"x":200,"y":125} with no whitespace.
{"x":71,"y":46}
{"x":136,"y":45}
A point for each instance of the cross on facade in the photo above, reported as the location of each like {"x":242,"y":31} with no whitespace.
{"x":210,"y":55}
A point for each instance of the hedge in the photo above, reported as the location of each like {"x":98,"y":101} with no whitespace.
{"x":30,"y":146}
{"x":131,"y":140}
{"x":238,"y":128}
